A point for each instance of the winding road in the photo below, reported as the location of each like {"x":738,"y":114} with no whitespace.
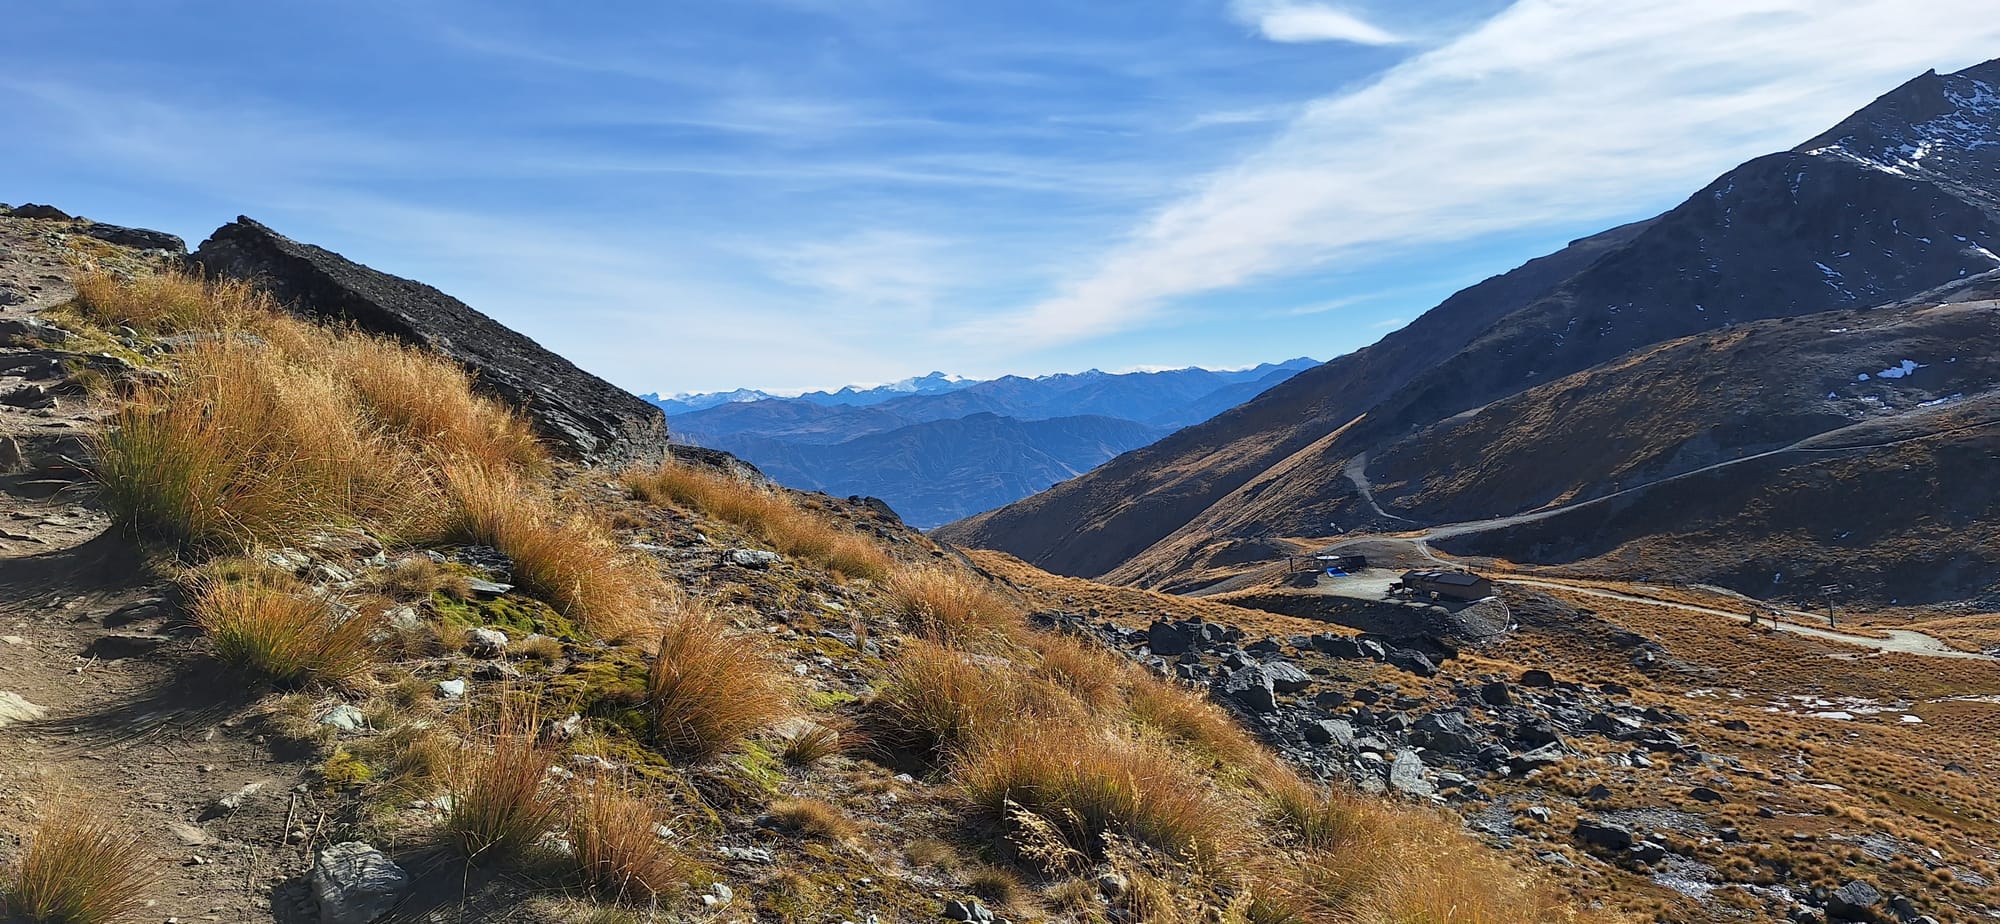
{"x":1895,"y":640}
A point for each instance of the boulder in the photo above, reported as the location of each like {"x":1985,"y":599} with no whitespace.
{"x":1536,"y":677}
{"x":1287,"y":678}
{"x":1406,"y":774}
{"x":139,"y":238}
{"x":1547,"y":755}
{"x":1855,"y":901}
{"x":1445,"y":732}
{"x":1166,"y":638}
{"x":34,"y":210}
{"x":1602,"y":835}
{"x":1496,"y":693}
{"x":753,"y":558}
{"x":1249,"y":687}
{"x":485,"y":643}
{"x":580,"y":414}
{"x":1337,"y":646}
{"x":356,"y":884}
{"x":1412,"y":660}
{"x":15,"y":708}
{"x":1336,"y":732}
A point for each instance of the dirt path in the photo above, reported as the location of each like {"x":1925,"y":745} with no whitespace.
{"x":121,"y":714}
{"x":1897,"y":640}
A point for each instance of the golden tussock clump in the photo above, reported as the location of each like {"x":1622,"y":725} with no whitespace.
{"x":80,"y":866}
{"x":768,"y":512}
{"x":709,"y":689}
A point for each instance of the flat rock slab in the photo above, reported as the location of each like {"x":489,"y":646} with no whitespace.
{"x":582,"y":415}
{"x":13,"y":708}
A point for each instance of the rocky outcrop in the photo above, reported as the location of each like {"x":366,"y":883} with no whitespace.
{"x":580,"y":414}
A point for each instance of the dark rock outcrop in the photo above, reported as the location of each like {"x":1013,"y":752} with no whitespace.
{"x":580,"y":414}
{"x":140,"y":238}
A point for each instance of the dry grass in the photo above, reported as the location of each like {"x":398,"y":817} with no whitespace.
{"x":1089,"y":785}
{"x":170,"y":302}
{"x":501,"y":806}
{"x":1191,"y":721}
{"x":813,"y":818}
{"x":537,"y":648}
{"x":80,"y":867}
{"x":813,"y":742}
{"x":570,"y":560}
{"x":242,"y":447}
{"x":937,"y":699}
{"x":954,"y":607}
{"x":768,"y":512}
{"x":710,"y":689}
{"x":417,"y":577}
{"x":430,"y":401}
{"x":1084,"y":669}
{"x":618,"y":852}
{"x":271,"y":625}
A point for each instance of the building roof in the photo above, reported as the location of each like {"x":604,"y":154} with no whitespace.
{"x":1452,"y":578}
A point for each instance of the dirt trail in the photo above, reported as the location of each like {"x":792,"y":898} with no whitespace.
{"x":1898,"y":640}
{"x":122,"y":716}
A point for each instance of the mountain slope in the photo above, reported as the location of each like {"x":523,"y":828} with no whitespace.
{"x":1896,"y":201}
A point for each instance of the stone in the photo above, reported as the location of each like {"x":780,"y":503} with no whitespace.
{"x":27,"y":331}
{"x":1445,"y":732}
{"x":485,"y":643}
{"x":1647,"y":852}
{"x":1330,"y":731}
{"x":1547,"y":755}
{"x":451,"y":689}
{"x":228,"y":803}
{"x":137,"y":238}
{"x":758,"y":559}
{"x":582,"y":416}
{"x":1736,"y":725}
{"x":356,"y":884}
{"x":1855,"y":901}
{"x":1406,"y":774}
{"x":969,"y":911}
{"x":34,"y":210}
{"x":1249,"y":687}
{"x":1416,"y":662}
{"x":1329,"y":699}
{"x":1536,"y":677}
{"x":15,"y":708}
{"x":486,"y":588}
{"x":1287,"y":678}
{"x":1592,"y":832}
{"x":345,"y":717}
{"x":136,"y":611}
{"x":120,"y":645}
{"x":1496,"y":693}
{"x":1337,"y":646}
{"x":719,"y":895}
{"x":1704,"y":794}
{"x":1166,"y":638}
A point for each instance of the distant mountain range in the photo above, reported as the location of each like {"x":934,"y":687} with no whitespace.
{"x":1787,"y":381}
{"x":936,"y":383}
{"x":940,"y":447}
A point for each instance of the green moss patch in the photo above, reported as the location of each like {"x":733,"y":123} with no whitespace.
{"x":515,"y":614}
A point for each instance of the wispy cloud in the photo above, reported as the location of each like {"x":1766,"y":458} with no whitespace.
{"x":1293,"y":21}
{"x":1551,"y":113}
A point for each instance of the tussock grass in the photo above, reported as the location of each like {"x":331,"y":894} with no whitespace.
{"x":417,"y":577}
{"x":938,"y":699}
{"x":271,"y":625}
{"x":814,"y":742}
{"x":813,"y":818}
{"x":568,"y":559}
{"x":80,"y":866}
{"x":1084,"y":669}
{"x":951,"y":606}
{"x":1090,"y":785}
{"x":1188,"y":719}
{"x":617,"y":850}
{"x":768,"y":512}
{"x":431,"y":402}
{"x":242,"y":447}
{"x":501,"y":805}
{"x":171,"y":302}
{"x":709,"y":689}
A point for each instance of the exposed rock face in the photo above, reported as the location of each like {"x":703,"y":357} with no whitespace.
{"x":582,"y":415}
{"x":356,"y":884}
{"x":140,"y":238}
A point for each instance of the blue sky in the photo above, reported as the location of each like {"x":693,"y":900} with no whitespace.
{"x":790,"y":194}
